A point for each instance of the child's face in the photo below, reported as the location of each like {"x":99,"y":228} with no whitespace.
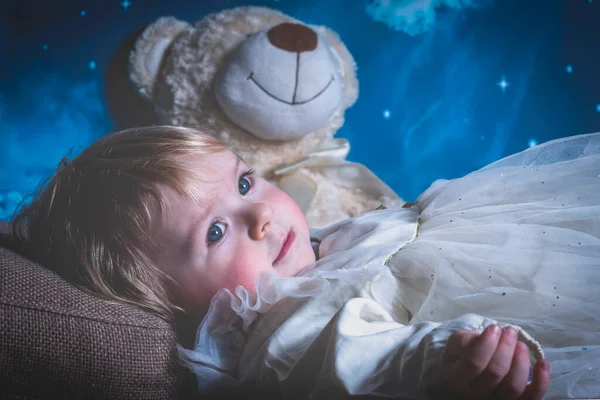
{"x":243,"y":226}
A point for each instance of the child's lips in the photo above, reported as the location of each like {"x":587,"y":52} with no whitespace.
{"x":286,"y":245}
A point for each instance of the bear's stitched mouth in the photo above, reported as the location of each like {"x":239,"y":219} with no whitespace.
{"x":293,"y":102}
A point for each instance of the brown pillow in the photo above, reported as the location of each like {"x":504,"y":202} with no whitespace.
{"x":58,"y":341}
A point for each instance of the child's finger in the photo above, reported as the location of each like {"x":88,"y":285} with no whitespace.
{"x":515,"y":381}
{"x":474,"y":359}
{"x":498,"y":366}
{"x":458,"y":342}
{"x":540,"y":383}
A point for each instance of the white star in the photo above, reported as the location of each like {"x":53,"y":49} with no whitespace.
{"x":503,"y":84}
{"x":125,"y":4}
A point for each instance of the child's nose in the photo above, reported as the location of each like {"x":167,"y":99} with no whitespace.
{"x":260,"y":215}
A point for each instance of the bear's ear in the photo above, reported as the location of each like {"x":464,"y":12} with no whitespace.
{"x":347,"y":65}
{"x":147,"y":56}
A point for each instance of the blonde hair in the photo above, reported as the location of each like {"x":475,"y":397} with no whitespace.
{"x":92,"y":220}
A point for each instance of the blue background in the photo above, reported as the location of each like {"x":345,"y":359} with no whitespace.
{"x":430,"y":105}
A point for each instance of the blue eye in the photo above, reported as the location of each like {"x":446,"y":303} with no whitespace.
{"x":244,"y":183}
{"x":215,"y":232}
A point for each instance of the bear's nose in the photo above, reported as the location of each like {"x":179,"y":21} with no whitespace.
{"x":293,"y":37}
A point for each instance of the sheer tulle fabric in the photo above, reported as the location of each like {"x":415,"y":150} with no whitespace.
{"x":517,"y":241}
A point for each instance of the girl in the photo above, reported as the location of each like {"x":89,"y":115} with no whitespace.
{"x":167,"y":219}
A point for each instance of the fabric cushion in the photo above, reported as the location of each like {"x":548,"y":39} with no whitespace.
{"x":59,"y":341}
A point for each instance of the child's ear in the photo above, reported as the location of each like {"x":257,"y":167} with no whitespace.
{"x":149,"y":52}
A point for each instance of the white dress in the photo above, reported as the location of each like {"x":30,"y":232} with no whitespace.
{"x":517,"y":242}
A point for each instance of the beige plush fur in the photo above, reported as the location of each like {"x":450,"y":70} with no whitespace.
{"x":174,"y":65}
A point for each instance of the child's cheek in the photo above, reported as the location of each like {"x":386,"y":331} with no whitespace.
{"x":244,"y":272}
{"x":284,"y":202}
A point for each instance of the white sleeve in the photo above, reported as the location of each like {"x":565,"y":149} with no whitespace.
{"x":363,"y":351}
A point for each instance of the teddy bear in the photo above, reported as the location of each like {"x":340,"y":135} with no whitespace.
{"x":274,"y":90}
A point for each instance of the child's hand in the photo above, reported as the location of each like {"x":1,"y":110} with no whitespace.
{"x":493,"y":365}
